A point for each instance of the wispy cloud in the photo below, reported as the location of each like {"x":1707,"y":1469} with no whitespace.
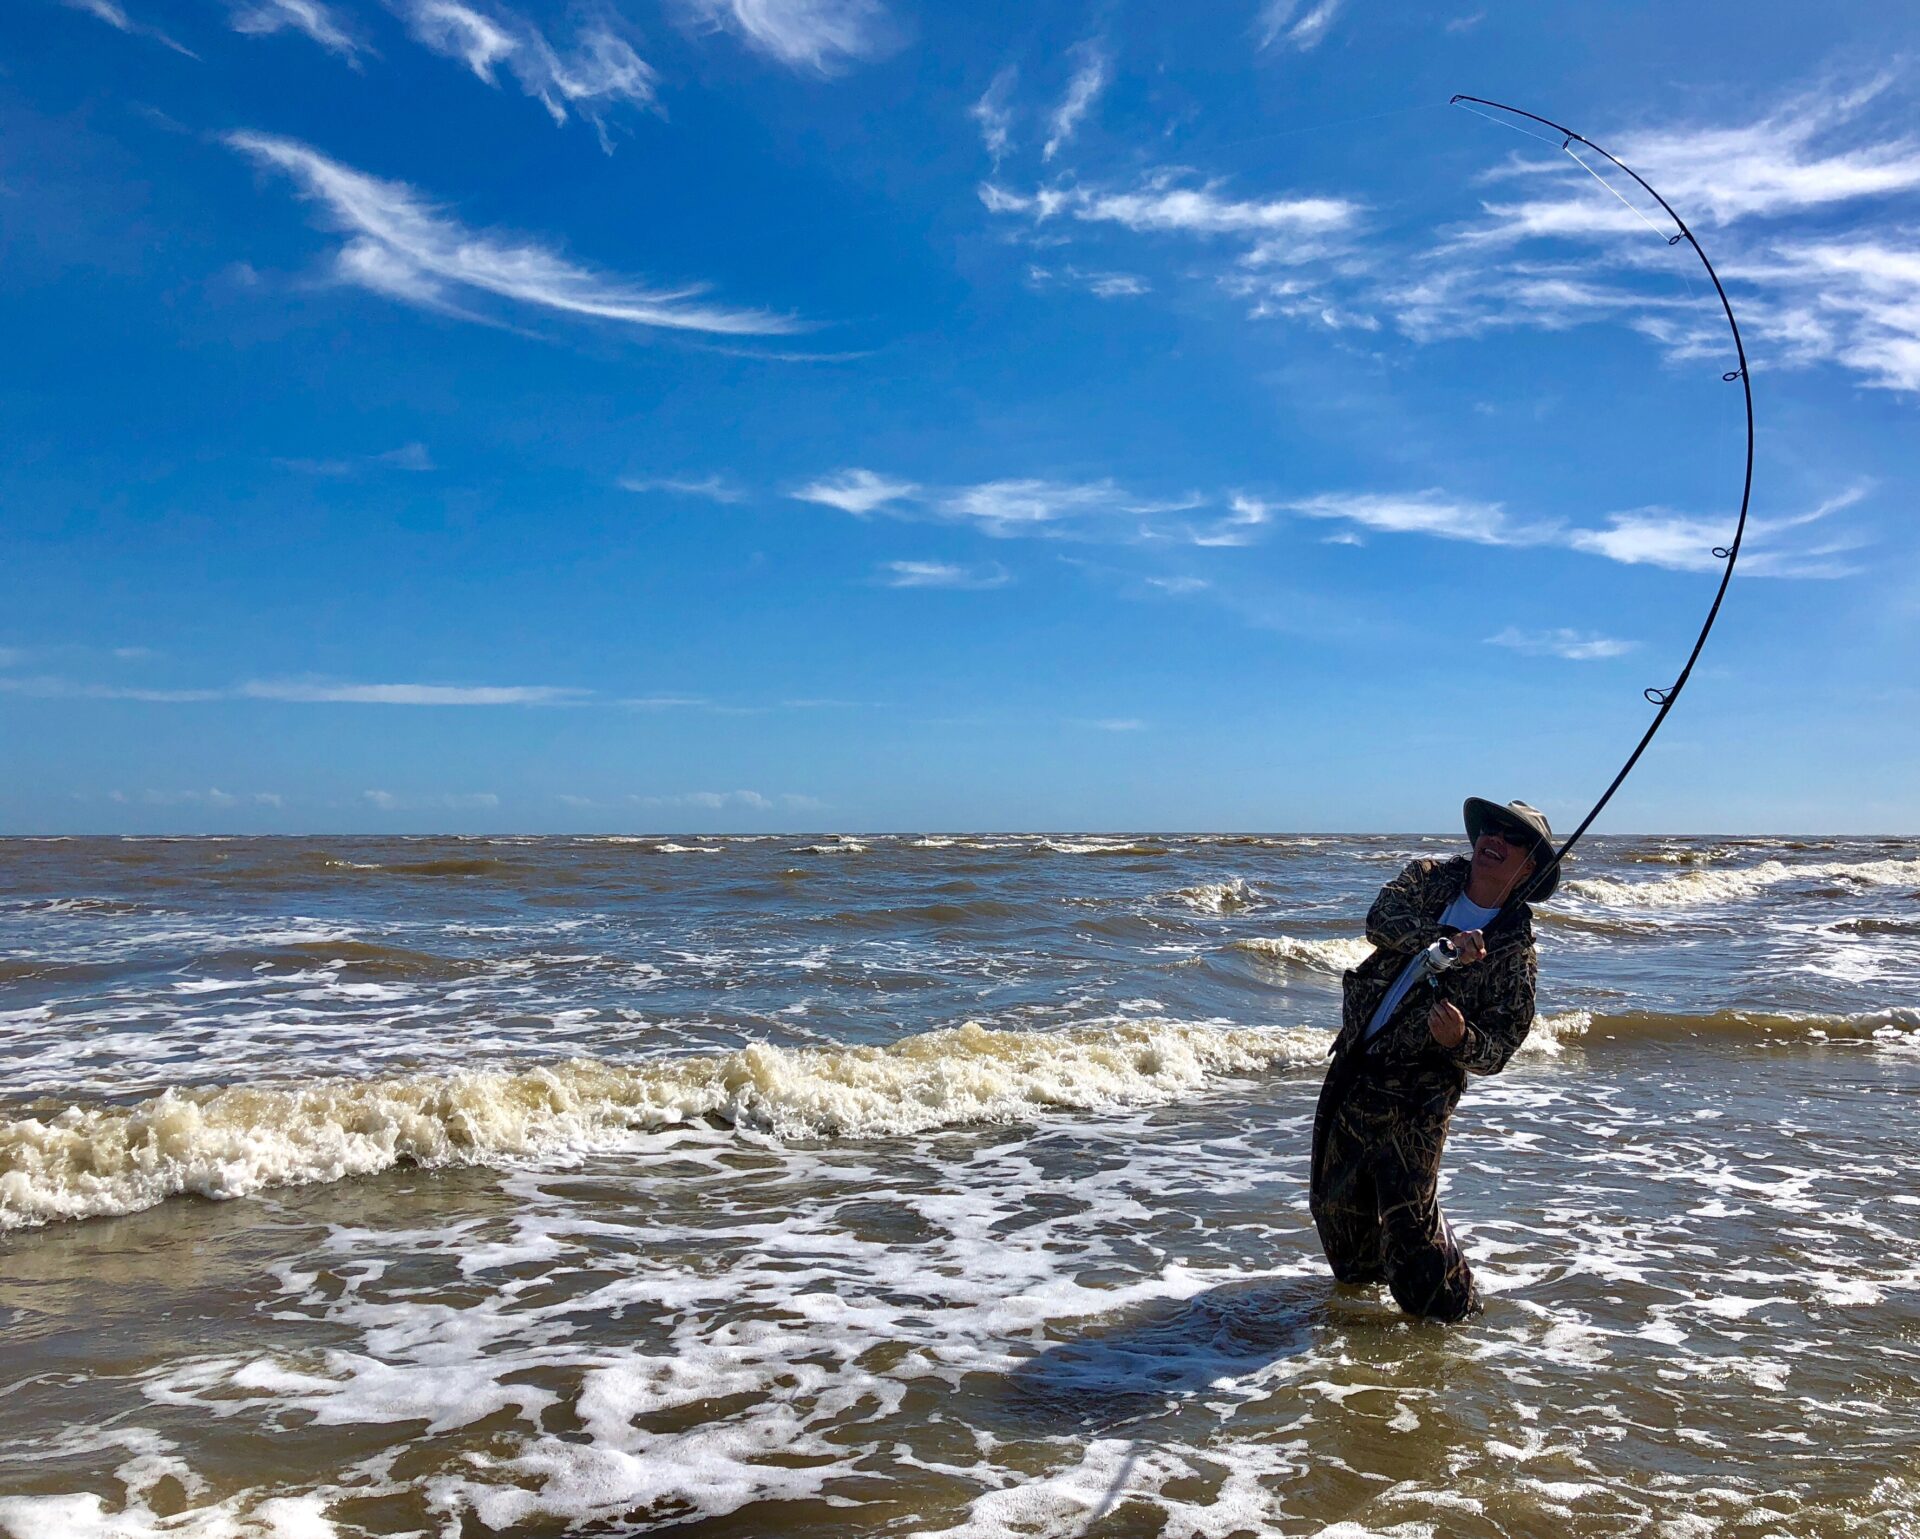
{"x":1245,"y":517}
{"x":1644,"y":537}
{"x":1022,"y":505}
{"x":821,"y":37}
{"x":403,"y":247}
{"x":449,"y":801}
{"x":942,"y":574}
{"x":859,"y":492}
{"x":1093,"y":68}
{"x":716,"y":801}
{"x":302,"y":692}
{"x":115,"y":15}
{"x":1161,"y":205}
{"x":994,"y":113}
{"x":1849,"y":295}
{"x":1102,"y":285}
{"x":1112,"y":724}
{"x":312,"y":18}
{"x":1278,"y":22}
{"x":1576,"y":646}
{"x":52,"y":687}
{"x":1019,"y":505}
{"x":1179,"y":586}
{"x":408,"y":457}
{"x":600,"y":72}
{"x":212,"y":797}
{"x":1687,"y":543}
{"x":715,"y":488}
{"x":1427,"y":512}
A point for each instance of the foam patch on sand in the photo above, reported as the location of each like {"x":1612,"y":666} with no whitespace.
{"x":93,"y":1161}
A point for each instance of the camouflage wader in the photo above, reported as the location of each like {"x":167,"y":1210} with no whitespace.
{"x":1383,"y":1114}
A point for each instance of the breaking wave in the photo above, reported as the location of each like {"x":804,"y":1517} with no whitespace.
{"x":94,"y":1161}
{"x":1896,"y":1023}
{"x":1334,"y":954}
{"x":1228,"y":897}
{"x":1707,"y":886}
{"x":1096,"y":847}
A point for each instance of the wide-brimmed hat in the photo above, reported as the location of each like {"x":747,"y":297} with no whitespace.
{"x":1518,"y":816}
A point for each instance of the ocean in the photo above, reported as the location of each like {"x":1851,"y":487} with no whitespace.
{"x":940,"y":1185}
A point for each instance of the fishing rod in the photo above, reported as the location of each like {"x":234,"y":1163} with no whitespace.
{"x":1441,"y":956}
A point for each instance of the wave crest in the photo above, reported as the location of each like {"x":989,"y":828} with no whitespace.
{"x":1331,"y":954}
{"x":1228,"y":897}
{"x":95,"y":1161}
{"x":1709,"y":886}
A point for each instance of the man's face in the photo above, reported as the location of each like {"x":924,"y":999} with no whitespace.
{"x":1504,"y":855}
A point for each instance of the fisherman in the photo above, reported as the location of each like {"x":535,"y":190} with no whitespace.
{"x":1409,"y":1035}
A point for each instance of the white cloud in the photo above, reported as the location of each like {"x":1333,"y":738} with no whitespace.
{"x":1276,"y":23}
{"x":1160,"y":205}
{"x":1244,"y":515}
{"x":410,"y":457}
{"x":47,"y":687}
{"x":1113,"y":724}
{"x":715,"y":801}
{"x":313,"y":18}
{"x":1018,"y":506}
{"x":302,"y":693}
{"x":666,"y":702}
{"x":1102,"y":285}
{"x":601,"y":72}
{"x":1849,"y":295}
{"x":859,"y":492}
{"x":1094,"y":68}
{"x":818,"y":36}
{"x":452,"y":801}
{"x":1013,"y":506}
{"x":715,"y":488}
{"x":400,"y":245}
{"x":1466,"y":23}
{"x":942,"y":574}
{"x":1428,"y":512}
{"x":1644,"y":537}
{"x":1179,"y":585}
{"x":994,"y":113}
{"x":1576,"y":646}
{"x":115,"y":16}
{"x":1686,"y":543}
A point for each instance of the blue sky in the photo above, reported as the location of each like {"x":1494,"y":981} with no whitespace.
{"x":807,"y":414}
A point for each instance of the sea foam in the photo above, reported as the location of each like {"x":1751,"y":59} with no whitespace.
{"x":1727,"y":886}
{"x":1331,"y":954}
{"x":92,"y":1161}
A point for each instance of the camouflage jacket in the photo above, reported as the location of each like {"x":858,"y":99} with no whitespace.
{"x":1494,"y":994}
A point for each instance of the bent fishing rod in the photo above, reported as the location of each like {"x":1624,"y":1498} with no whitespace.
{"x":1440,"y":956}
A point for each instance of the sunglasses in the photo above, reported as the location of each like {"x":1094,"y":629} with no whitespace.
{"x":1519,"y":838}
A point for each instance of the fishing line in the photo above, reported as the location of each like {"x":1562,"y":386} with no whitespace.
{"x":1638,"y":213}
{"x":1663,"y":699}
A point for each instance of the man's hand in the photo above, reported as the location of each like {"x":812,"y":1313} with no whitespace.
{"x":1448,"y":1025}
{"x":1469,"y":946}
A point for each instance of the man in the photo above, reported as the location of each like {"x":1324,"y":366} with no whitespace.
{"x":1408,"y":1039}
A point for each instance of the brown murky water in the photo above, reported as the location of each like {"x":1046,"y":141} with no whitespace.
{"x":916,"y":1281}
